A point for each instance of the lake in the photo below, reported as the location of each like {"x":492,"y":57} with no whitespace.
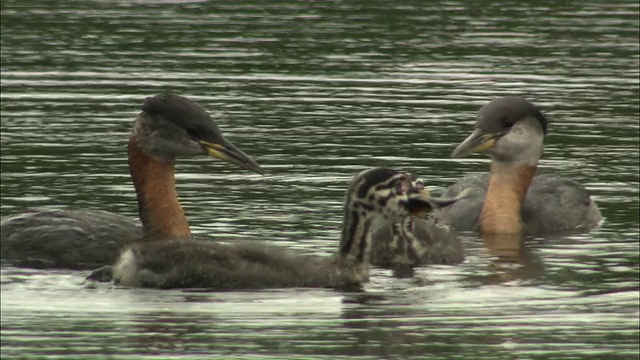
{"x":315,"y":92}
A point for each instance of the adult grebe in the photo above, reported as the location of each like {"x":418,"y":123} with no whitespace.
{"x":510,"y":199}
{"x":168,"y":127}
{"x":250,"y":265}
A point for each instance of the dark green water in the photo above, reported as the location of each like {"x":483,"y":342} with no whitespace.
{"x":316,"y":91}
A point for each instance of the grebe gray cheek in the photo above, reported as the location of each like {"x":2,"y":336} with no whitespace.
{"x":511,"y":199}
{"x":169,"y":126}
{"x":251,"y":265}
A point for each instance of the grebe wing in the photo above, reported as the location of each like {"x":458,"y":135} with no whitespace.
{"x":433,"y":233}
{"x":555,"y":203}
{"x":215,"y":265}
{"x":465,"y":213}
{"x":72,"y":239}
{"x":442,"y":241}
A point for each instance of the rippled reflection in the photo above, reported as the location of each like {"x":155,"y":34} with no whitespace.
{"x":316,"y":92}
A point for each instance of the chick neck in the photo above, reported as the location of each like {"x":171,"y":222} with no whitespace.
{"x":352,"y":259}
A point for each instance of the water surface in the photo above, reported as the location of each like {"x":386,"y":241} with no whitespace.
{"x":316,"y":92}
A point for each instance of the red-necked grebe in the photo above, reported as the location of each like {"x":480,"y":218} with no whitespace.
{"x":511,"y":199}
{"x":169,"y":126}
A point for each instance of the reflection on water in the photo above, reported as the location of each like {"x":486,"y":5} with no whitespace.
{"x":316,"y":92}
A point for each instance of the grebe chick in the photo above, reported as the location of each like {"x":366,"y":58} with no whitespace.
{"x":510,"y":199}
{"x":249,"y":265}
{"x":433,"y":239}
{"x":169,"y":126}
{"x":434,"y":243}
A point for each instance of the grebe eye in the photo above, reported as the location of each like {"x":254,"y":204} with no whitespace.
{"x":506,"y":122}
{"x":403,"y":186}
{"x":193,"y":134}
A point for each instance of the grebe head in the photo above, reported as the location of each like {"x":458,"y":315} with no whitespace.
{"x":171,"y":126}
{"x":509,"y":129}
{"x":390,"y":194}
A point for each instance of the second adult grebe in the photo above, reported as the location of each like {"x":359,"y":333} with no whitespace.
{"x":511,"y":198}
